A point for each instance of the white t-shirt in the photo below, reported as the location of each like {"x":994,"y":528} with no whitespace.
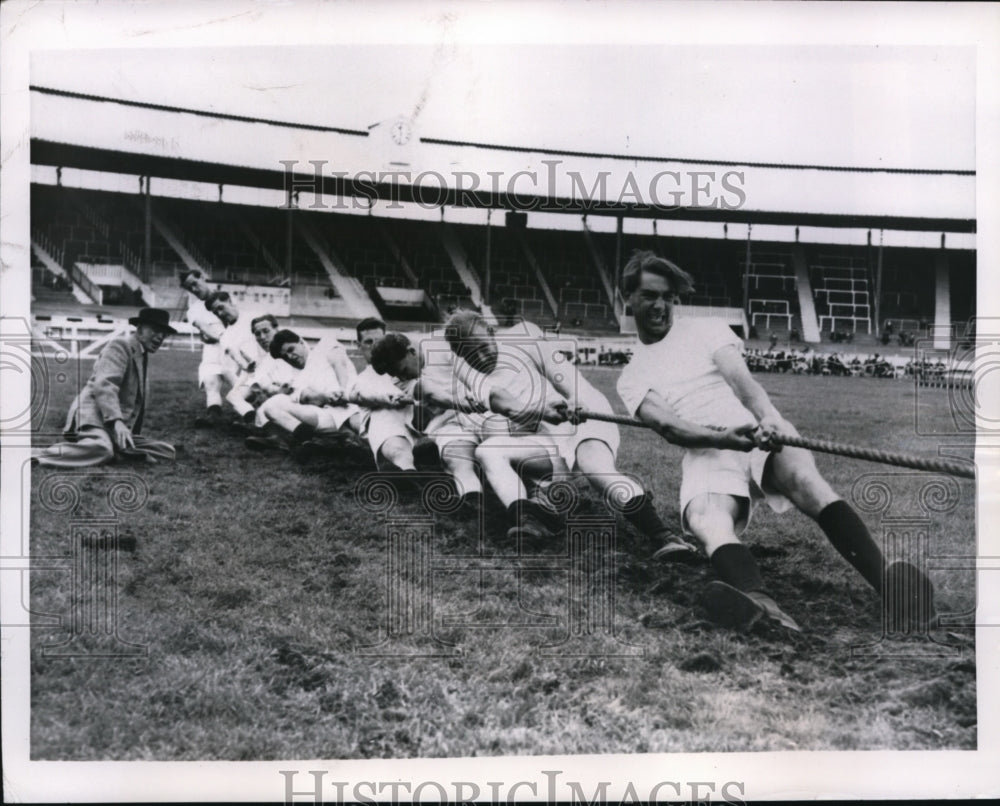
{"x":551,"y":358}
{"x":206,"y":321}
{"x":273,"y":372}
{"x":239,"y":347}
{"x":439,"y":367}
{"x":370,"y":386}
{"x":681,"y":369}
{"x":318,"y":375}
{"x":516,"y":372}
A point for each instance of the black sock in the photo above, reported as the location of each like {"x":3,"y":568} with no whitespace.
{"x":302,"y":432}
{"x":736,"y":566}
{"x":641,"y":513}
{"x":514,"y":511}
{"x":523,"y":506}
{"x":849,"y":535}
{"x":472,"y":500}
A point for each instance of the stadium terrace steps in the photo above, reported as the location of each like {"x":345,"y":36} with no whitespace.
{"x":190,"y":261}
{"x":460,"y":262}
{"x":807,"y":307}
{"x":841,"y":292}
{"x":351,"y":292}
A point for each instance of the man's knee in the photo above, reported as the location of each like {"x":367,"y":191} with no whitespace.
{"x":104,"y":450}
{"x":274,"y":405}
{"x":486,"y":454}
{"x":536,"y":467}
{"x":395,"y":448}
{"x":595,"y":456}
{"x":799,"y":479}
{"x":712,"y":515}
{"x":97,"y":443}
{"x":459,"y":453}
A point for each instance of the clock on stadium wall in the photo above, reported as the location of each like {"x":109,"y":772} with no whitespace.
{"x":401,"y":131}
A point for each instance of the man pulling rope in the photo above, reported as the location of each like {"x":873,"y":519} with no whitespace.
{"x":687,"y":381}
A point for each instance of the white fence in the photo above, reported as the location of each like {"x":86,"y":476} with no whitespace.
{"x":77,"y":337}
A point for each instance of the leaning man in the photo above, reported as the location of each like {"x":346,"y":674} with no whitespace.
{"x":106,"y":418}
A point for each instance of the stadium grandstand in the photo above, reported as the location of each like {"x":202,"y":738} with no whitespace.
{"x":115,"y":221}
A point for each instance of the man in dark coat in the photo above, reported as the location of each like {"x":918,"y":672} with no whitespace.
{"x":106,"y":417}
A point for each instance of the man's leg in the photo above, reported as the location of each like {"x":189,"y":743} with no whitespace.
{"x":596,"y":461}
{"x":93,"y":447}
{"x":459,"y":460}
{"x":300,"y":420}
{"x":237,"y":398}
{"x":396,"y":453}
{"x":269,"y":436}
{"x":210,"y":379}
{"x":499,"y":456}
{"x":793,"y":473}
{"x":907,"y":594}
{"x":211,"y":382}
{"x":288,"y":415}
{"x":155,"y":449}
{"x":390,"y":440}
{"x":712,"y":518}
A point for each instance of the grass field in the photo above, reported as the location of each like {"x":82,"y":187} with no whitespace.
{"x":255,"y":583}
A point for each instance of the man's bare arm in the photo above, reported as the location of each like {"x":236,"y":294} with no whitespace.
{"x":656,"y":413}
{"x":504,"y":403}
{"x":436,"y":394}
{"x":751,"y":394}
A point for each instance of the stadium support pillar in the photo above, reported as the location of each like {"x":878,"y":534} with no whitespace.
{"x":147,"y":243}
{"x":618,"y":251}
{"x":289,"y":240}
{"x":942,"y":302}
{"x":877,"y":301}
{"x":486,"y":264}
{"x":746,"y":277}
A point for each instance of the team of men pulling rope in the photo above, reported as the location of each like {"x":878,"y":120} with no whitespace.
{"x":506,"y":406}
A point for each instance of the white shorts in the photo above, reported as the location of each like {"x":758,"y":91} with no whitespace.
{"x":383,"y":424}
{"x":332,"y":418}
{"x":517,"y":442}
{"x":328,"y":418}
{"x":208,"y":370}
{"x":710,"y":470}
{"x":568,"y":437}
{"x":211,"y":353}
{"x":453,"y":426}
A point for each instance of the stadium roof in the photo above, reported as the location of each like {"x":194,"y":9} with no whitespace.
{"x":836,"y":136}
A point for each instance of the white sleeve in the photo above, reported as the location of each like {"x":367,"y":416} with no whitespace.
{"x":199,"y":316}
{"x":472,"y":381}
{"x":713,"y":335}
{"x":633,"y":385}
{"x":371,"y":386}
